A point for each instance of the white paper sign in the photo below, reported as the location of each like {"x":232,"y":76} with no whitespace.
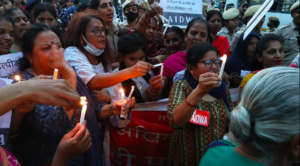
{"x":5,"y":119}
{"x":181,"y":12}
{"x":9,"y":65}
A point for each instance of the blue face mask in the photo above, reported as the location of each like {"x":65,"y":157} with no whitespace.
{"x":92,"y":49}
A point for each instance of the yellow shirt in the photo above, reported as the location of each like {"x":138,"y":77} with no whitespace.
{"x":246,"y":79}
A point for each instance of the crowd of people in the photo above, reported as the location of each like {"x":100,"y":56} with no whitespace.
{"x":102,"y":46}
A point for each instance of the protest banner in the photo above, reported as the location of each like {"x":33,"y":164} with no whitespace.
{"x":5,"y":119}
{"x":181,"y":12}
{"x":145,"y":141}
{"x":9,"y":65}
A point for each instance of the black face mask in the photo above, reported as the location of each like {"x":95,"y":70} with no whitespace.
{"x":244,"y":9}
{"x":131,"y":16}
{"x":269,"y":25}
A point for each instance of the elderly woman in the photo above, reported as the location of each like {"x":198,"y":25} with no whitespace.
{"x":41,"y":129}
{"x":266,"y":122}
{"x":202,"y":90}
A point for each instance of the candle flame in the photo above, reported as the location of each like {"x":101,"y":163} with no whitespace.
{"x":132,"y":87}
{"x":121,"y":90}
{"x":224,"y":58}
{"x":83,"y":100}
{"x":17,"y":77}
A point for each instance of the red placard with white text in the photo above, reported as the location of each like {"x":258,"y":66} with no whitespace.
{"x":145,"y":141}
{"x":200,"y":118}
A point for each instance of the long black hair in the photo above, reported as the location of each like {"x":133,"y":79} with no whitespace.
{"x":28,"y":41}
{"x":7,"y":18}
{"x":263,"y":44}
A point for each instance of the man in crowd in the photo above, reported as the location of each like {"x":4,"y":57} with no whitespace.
{"x":272,"y":24}
{"x":289,"y":33}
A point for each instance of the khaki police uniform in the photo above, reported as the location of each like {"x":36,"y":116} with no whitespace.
{"x":228,"y":15}
{"x":291,"y":49}
{"x":288,"y":33}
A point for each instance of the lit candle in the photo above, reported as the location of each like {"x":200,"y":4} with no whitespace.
{"x":130,"y":94}
{"x":55,"y":74}
{"x":161,"y":70}
{"x":83,"y":111}
{"x":157,"y":65}
{"x":122,"y":101}
{"x":224,"y":58}
{"x":164,"y":33}
{"x":18,"y":78}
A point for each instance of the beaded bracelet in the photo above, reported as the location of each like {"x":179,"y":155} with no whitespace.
{"x":189,"y":103}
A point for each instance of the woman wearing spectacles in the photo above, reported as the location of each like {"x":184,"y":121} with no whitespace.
{"x":202,"y":89}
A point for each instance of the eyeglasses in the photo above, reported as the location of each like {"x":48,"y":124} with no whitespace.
{"x":209,"y":63}
{"x":98,"y":32}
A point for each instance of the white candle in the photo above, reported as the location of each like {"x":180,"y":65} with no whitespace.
{"x":224,"y":58}
{"x":157,"y":65}
{"x":83,"y":111}
{"x":164,"y":33}
{"x":130,"y":94}
{"x":161,"y":70}
{"x":164,"y":18}
{"x":18,"y":78}
{"x":122,"y":101}
{"x":55,"y":74}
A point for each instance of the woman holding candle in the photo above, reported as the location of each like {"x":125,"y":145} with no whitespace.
{"x":87,"y":51}
{"x":215,"y":20}
{"x":46,"y":91}
{"x":241,"y":58}
{"x":269,"y":53}
{"x":132,"y":49}
{"x":41,"y":129}
{"x":22,"y":23}
{"x":201,"y":89}
{"x":197,"y":31}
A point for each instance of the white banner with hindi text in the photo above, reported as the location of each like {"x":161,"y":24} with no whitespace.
{"x":9,"y":65}
{"x":181,"y":12}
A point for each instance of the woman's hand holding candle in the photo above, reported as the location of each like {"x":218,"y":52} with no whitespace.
{"x":208,"y":81}
{"x":140,"y":69}
{"x":156,"y":84}
{"x":117,"y":107}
